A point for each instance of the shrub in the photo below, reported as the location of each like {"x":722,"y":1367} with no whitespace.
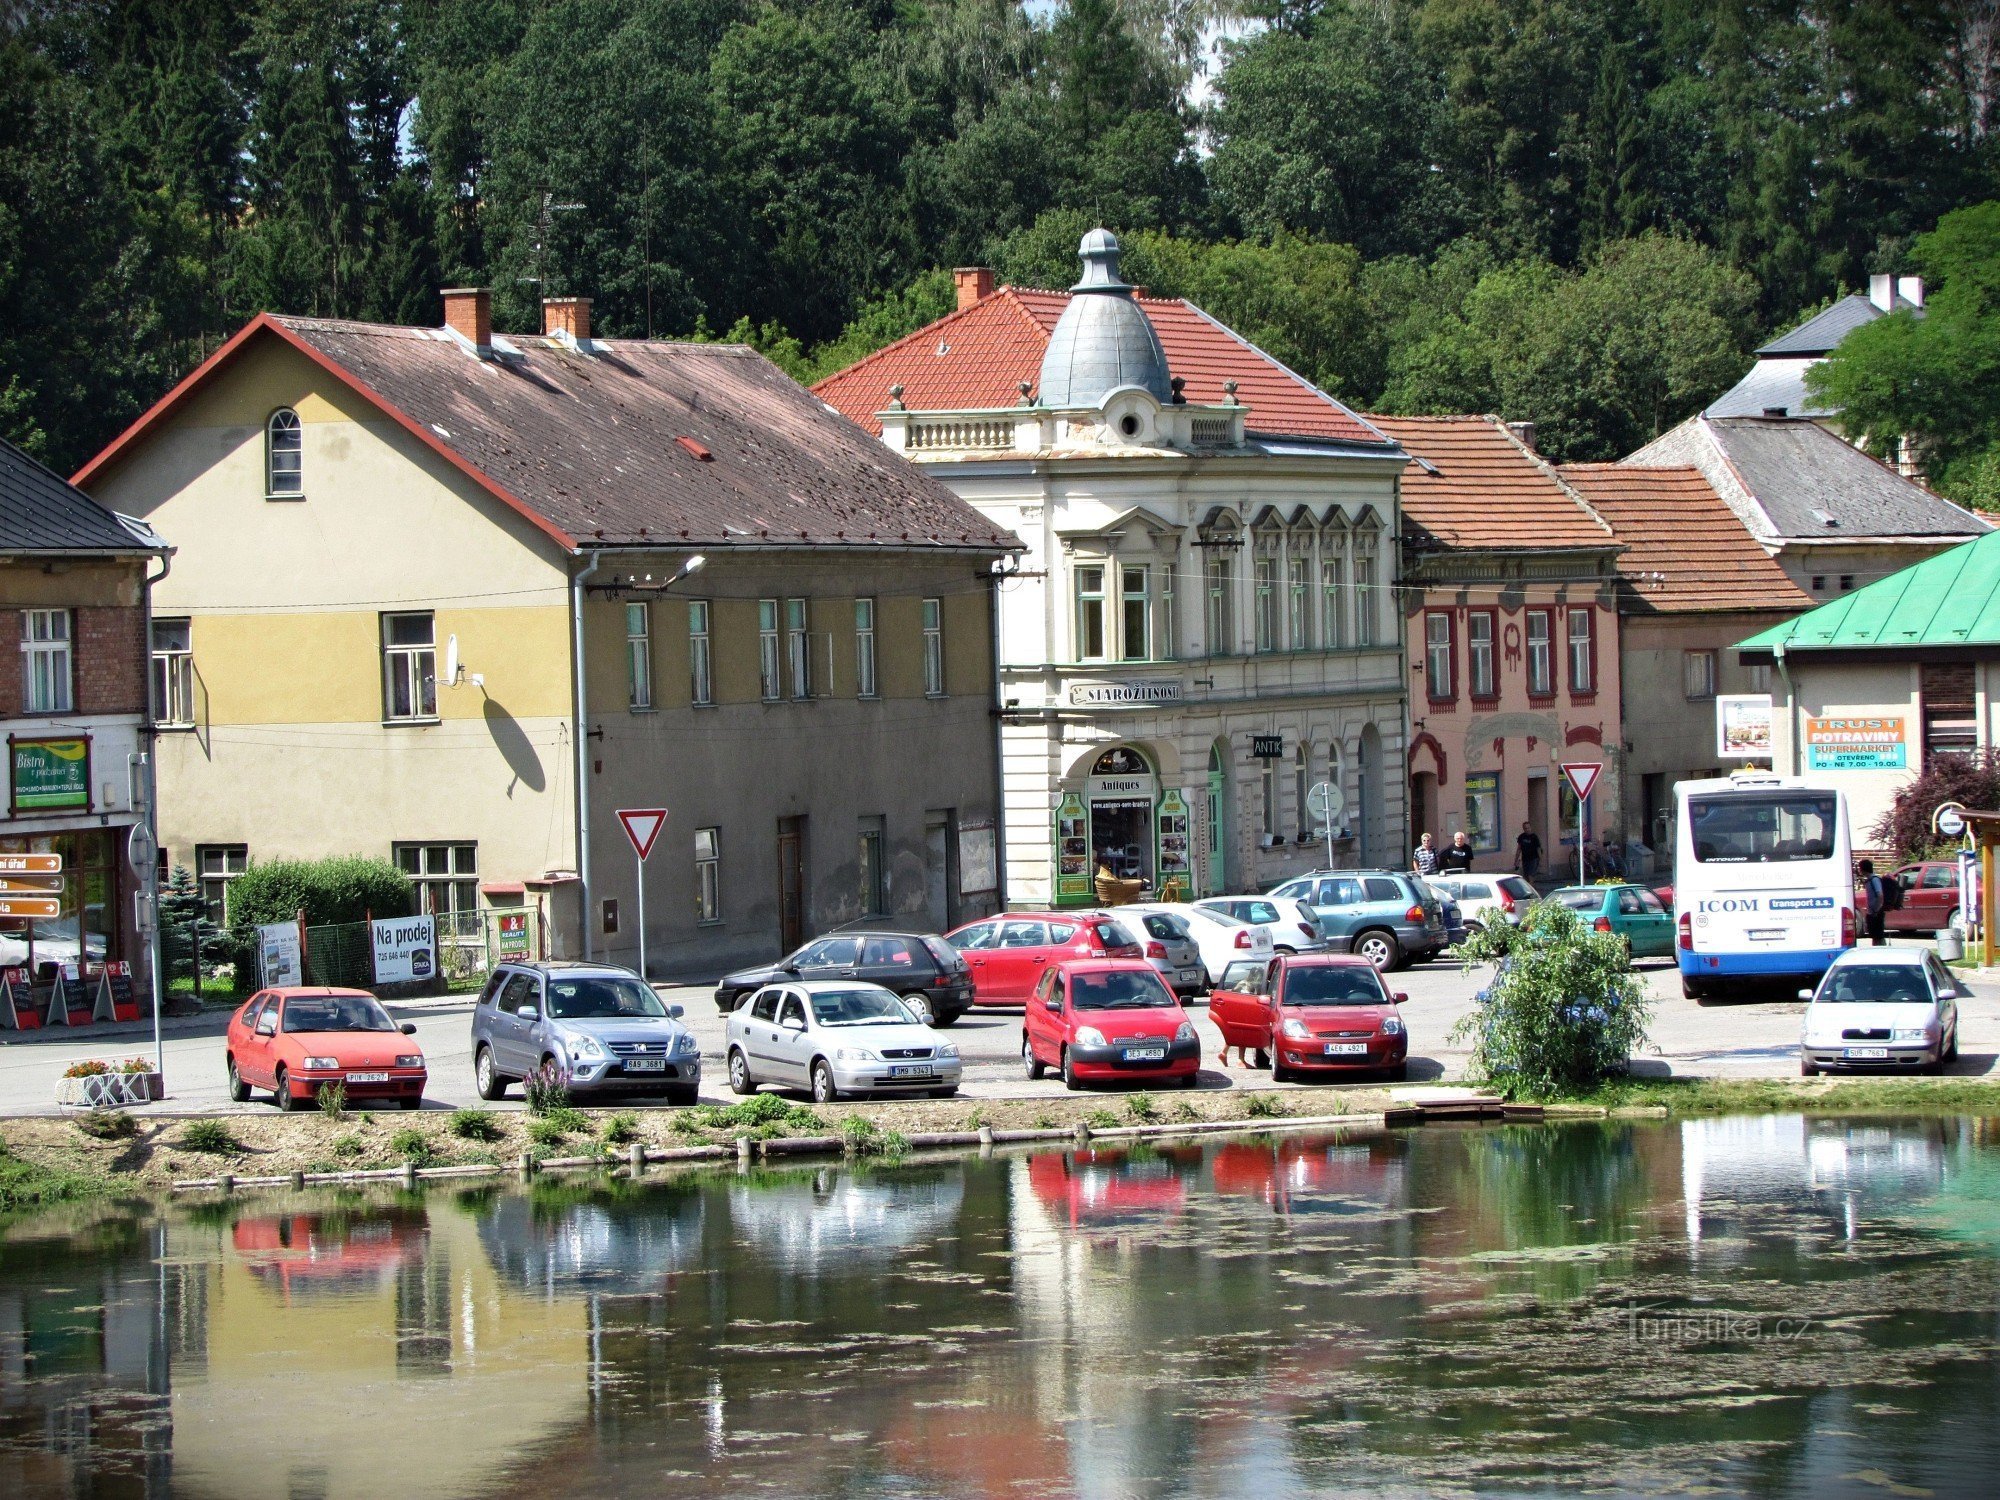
{"x":343,"y":889}
{"x":349,"y":1146}
{"x":1100,"y":1119}
{"x":107,"y":1124}
{"x":1562,"y":1011}
{"x":1142,"y":1108}
{"x":136,"y":1065}
{"x":207,"y":1135}
{"x":567,"y":1120}
{"x":693,"y":1121}
{"x":863,"y":1139}
{"x":473,"y":1125}
{"x":621,"y":1129}
{"x":546,"y":1090}
{"x":544,"y":1131}
{"x":1971,"y":779}
{"x":332,"y":1099}
{"x":413,"y":1146}
{"x":857,"y":1130}
{"x":768,"y":1109}
{"x":1263,"y":1106}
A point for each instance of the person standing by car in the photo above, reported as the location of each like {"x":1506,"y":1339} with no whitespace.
{"x":1425,"y":860}
{"x":1457,"y":860}
{"x":1527,"y":853}
{"x":1878,"y":902}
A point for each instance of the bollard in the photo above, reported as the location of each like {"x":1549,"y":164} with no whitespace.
{"x":1082,"y":1133}
{"x":410,"y":1175}
{"x":985,"y":1141}
{"x":744,"y":1146}
{"x":298,"y":1181}
{"x":527,"y":1164}
{"x":226,"y":1181}
{"x":638,"y":1158}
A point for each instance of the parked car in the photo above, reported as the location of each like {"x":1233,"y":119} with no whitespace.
{"x":1931,"y":900}
{"x":1168,"y":945}
{"x":604,"y":1028}
{"x":1881,"y":1008}
{"x":1009,"y":954}
{"x":1631,"y":911}
{"x":1291,"y":923}
{"x":835,"y":1037}
{"x":924,"y":969}
{"x":1105,"y":1021}
{"x":1389,"y":917}
{"x":1318,"y":1014}
{"x":1480,"y":895}
{"x":1220,"y":938}
{"x":294,"y":1041}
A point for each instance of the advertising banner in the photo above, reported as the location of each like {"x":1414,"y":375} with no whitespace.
{"x":278,"y":954}
{"x":405,"y":949}
{"x":45,"y":775}
{"x":1743,"y":726}
{"x":1855,"y":745}
{"x":511,"y":931}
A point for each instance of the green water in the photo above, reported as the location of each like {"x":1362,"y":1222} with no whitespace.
{"x":1766,"y":1306}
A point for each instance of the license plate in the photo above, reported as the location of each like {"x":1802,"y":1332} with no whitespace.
{"x":1766,"y":934}
{"x":911,"y":1070}
{"x":1864,"y":1052}
{"x":367,"y":1077}
{"x":1145,"y":1054}
{"x":1346,"y":1049}
{"x":1189,"y":976}
{"x":645,"y":1065}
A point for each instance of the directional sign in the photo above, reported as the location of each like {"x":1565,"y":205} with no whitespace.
{"x":1582,"y":776}
{"x":642,"y":826}
{"x":1326,"y":802}
{"x":1949,"y":820}
{"x":31,"y":885}
{"x":31,"y":907}
{"x":30,"y":864}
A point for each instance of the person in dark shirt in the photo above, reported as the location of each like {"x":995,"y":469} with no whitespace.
{"x":1458,"y":858}
{"x":1528,"y":852}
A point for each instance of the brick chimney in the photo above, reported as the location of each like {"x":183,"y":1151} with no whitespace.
{"x":566,"y":317}
{"x":974,"y":283}
{"x":1524,"y":434}
{"x":468,"y":312}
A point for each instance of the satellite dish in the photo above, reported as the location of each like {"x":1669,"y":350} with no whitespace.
{"x":451,"y":659}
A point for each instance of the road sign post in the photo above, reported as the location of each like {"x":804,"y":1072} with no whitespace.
{"x":1326,"y":802}
{"x":1582,"y":776}
{"x":642,"y":826}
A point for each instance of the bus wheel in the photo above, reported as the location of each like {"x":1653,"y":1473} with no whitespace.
{"x":1693,"y":989}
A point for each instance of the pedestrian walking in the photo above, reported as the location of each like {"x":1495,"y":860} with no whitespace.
{"x":1457,"y":860}
{"x":1528,"y":853}
{"x":1878,"y":903}
{"x":1425,"y":860}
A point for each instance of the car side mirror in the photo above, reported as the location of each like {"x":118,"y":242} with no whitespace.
{"x":1054,"y":1004}
{"x":408,"y":1028}
{"x":1805,"y":994}
{"x":528,"y":1013}
{"x":788,"y":968}
{"x":1398,"y":998}
{"x":676,"y":1010}
{"x":794,"y":1023}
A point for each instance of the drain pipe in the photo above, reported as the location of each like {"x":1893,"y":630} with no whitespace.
{"x":156,"y":945}
{"x":579,"y":734}
{"x":1791,"y":707}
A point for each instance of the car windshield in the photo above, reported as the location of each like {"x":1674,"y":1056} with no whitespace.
{"x":1761,"y":827}
{"x":1582,"y":900}
{"x":1883,"y":984}
{"x":859,"y":1008}
{"x":1118,"y":990}
{"x":602,"y":999}
{"x":1333,"y":986}
{"x":336,"y":1013}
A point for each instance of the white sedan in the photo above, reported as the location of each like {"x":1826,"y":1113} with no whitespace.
{"x":1480,"y":895}
{"x":835,"y":1037}
{"x":1882,"y":1008}
{"x":1221,"y":939}
{"x":1293,"y":925}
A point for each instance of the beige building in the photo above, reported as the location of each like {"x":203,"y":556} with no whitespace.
{"x":435,"y":581}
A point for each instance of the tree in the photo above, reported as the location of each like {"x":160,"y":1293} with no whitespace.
{"x":1971,"y":780}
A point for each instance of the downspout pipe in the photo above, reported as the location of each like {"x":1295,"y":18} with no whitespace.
{"x":580,"y":735}
{"x":155,"y":947}
{"x":1791,"y":705}
{"x":994,"y":579}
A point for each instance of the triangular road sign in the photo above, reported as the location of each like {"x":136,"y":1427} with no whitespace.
{"x":642,"y":826}
{"x":1582,"y":776}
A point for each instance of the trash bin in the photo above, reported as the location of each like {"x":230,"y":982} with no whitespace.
{"x":1950,"y":945}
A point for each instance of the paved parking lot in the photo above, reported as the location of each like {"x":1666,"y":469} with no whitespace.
{"x":1749,"y":1039}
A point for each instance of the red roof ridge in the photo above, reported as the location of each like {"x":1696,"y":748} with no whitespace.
{"x":1278,"y":364}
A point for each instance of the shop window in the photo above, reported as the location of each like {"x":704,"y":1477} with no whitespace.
{"x":216,"y":865}
{"x":95,"y":894}
{"x":933,"y":648}
{"x":1698,"y":674}
{"x":1134,"y":638}
{"x":864,"y":648}
{"x":1541,"y":654}
{"x":1438,"y":655}
{"x":1479,"y":653}
{"x":173,"y":674}
{"x":708,"y":874}
{"x":445,"y":877}
{"x":1482,"y":811}
{"x":1269,"y":785}
{"x":770,"y":685}
{"x":284,"y":456}
{"x":409,"y":666}
{"x":1090,"y":613}
{"x":1582,"y":649}
{"x":874,"y":882}
{"x":1121,"y":814}
{"x":639,"y":656}
{"x":701,"y":665}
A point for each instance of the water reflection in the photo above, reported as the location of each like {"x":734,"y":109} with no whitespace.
{"x":1770,"y":1306}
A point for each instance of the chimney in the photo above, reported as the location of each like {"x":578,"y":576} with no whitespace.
{"x":974,"y":283}
{"x":468,"y":312}
{"x":566,"y":318}
{"x":1911,"y":289}
{"x":1524,"y":434}
{"x":1882,"y":292}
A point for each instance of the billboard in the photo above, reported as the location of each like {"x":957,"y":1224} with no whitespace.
{"x":1743,"y":726}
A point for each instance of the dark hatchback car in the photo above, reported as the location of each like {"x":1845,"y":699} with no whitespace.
{"x":925,"y":970}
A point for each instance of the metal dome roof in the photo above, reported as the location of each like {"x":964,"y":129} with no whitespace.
{"x":1104,"y":339}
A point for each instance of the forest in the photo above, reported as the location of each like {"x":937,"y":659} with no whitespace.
{"x":1584,"y":214}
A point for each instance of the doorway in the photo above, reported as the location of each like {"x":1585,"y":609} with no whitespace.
{"x":791,"y":882}
{"x":1423,"y":804}
{"x":1216,"y":874}
{"x":941,"y":901}
{"x":1368,"y":786}
{"x":1538,"y":811}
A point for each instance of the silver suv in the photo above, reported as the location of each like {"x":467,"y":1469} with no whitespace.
{"x":603,"y":1028}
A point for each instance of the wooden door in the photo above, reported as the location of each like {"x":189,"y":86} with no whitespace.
{"x":791,"y":882}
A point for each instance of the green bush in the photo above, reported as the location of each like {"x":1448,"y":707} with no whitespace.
{"x":621,"y":1129}
{"x":1141,"y":1107}
{"x":107,"y":1124}
{"x":349,"y":1146}
{"x":547,"y":1131}
{"x":207,"y":1135}
{"x":1263,"y":1106}
{"x":473,"y":1125}
{"x":1100,"y":1119}
{"x":413,"y":1146}
{"x":344,"y":889}
{"x":332,"y":1099}
{"x":1562,"y":1011}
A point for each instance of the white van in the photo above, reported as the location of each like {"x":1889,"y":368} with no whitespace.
{"x":1763,"y":880}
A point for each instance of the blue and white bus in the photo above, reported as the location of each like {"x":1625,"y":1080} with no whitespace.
{"x":1763,"y":879}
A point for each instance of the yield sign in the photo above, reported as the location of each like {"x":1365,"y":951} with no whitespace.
{"x":1582,"y":776}
{"x":642,"y":826}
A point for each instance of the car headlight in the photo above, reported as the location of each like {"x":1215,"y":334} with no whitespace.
{"x":1392,"y":1026}
{"x":319,"y":1064}
{"x":587,"y":1047}
{"x":410,"y":1060}
{"x":685,"y":1042}
{"x":947,"y":1049}
{"x":1296,"y":1029}
{"x":854,"y":1055}
{"x":1089,"y":1036}
{"x":1184,"y":1032}
{"x":1911,"y":1034}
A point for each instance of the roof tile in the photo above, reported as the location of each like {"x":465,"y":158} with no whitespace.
{"x":1477,"y":487}
{"x":42,"y":512}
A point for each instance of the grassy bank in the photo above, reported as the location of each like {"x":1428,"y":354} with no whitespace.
{"x":1693,"y":1097}
{"x":26,"y":1184}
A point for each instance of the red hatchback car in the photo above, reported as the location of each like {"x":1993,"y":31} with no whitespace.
{"x":1009,"y":954}
{"x":1108,"y":1020}
{"x":1319,"y":1013}
{"x":293,"y":1041}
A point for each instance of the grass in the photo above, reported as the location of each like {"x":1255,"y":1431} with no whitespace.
{"x":1826,"y":1096}
{"x":473,"y":1125}
{"x":1263,"y":1106}
{"x":1142,"y":1108}
{"x":547,"y":1132}
{"x":208,"y":1135}
{"x":413,"y":1146}
{"x":349,"y":1146}
{"x":1100,"y":1119}
{"x":24,"y":1185}
{"x":546,"y":1091}
{"x":621,"y":1129}
{"x":332,"y":1098}
{"x":107,"y":1124}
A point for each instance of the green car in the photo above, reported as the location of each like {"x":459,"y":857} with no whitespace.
{"x":1630,"y":910}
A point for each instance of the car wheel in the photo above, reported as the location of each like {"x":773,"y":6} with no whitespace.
{"x":1288,"y":952}
{"x":486,"y":1075}
{"x":1069,"y":1078}
{"x":1263,"y":1059}
{"x":683,"y":1096}
{"x":739,"y":1073}
{"x":1280,"y":1073}
{"x":238,"y":1089}
{"x":1806,"y":1068}
{"x":1693,"y":989}
{"x":1032,"y":1065}
{"x":286,"y":1100}
{"x":1380,"y":949}
{"x":1951,"y":1055}
{"x":1400,"y":1073}
{"x":946,"y":1017}
{"x":920,"y":1007}
{"x":822,"y":1082}
{"x":413,"y":1101}
{"x":1952,"y":920}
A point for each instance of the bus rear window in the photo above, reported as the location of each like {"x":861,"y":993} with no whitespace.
{"x":1741,"y":828}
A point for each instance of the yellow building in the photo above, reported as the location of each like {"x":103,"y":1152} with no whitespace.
{"x":434,"y":580}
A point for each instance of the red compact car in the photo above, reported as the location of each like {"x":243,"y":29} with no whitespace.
{"x":1320,"y":1013}
{"x":293,"y":1041}
{"x":1009,"y":954}
{"x":1108,"y":1020}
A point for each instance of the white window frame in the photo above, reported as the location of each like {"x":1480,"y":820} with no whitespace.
{"x":639,"y":655}
{"x":707,"y":875}
{"x":1266,"y":612}
{"x":1092,"y":633}
{"x":1480,"y":681}
{"x":411,"y":666}
{"x":701,"y":663}
{"x":48,"y":661}
{"x":933,"y":620}
{"x":1541,"y":662}
{"x":284,"y":456}
{"x":1698,"y":673}
{"x":1439,"y":683}
{"x":1367,"y":551}
{"x":440,"y":867}
{"x":770,"y":664}
{"x":866,"y":683}
{"x":798,"y":647}
{"x":173,"y":674}
{"x":1219,"y":605}
{"x":1135,"y":614}
{"x":216,"y":866}
{"x":1298,"y":601}
{"x":1169,"y":626}
{"x":1333,"y":598}
{"x":1582,"y":650}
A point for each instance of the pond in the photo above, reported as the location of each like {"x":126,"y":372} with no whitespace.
{"x":1767,"y":1306}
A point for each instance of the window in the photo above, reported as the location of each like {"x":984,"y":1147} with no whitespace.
{"x":701,"y":671}
{"x":1438,"y":656}
{"x":446,"y":876}
{"x":409,"y":667}
{"x":1169,"y":627}
{"x":1366,"y":547}
{"x":708,"y":874}
{"x":934,"y":648}
{"x":798,"y":649}
{"x":215,"y":866}
{"x":284,"y":456}
{"x":1300,"y":611}
{"x":1135,"y":638}
{"x":1950,"y":705}
{"x":1090,"y":614}
{"x":768,"y":669}
{"x":45,"y":661}
{"x":1220,"y":608}
{"x":1267,"y":604}
{"x":1846,"y":582}
{"x":173,"y":673}
{"x":864,"y":648}
{"x":1698,"y":673}
{"x":1333,"y":601}
{"x":1760,"y":678}
{"x":1479,"y":653}
{"x":1819,"y":583}
{"x":874,"y":885}
{"x":1582,"y":650}
{"x":1482,"y":811}
{"x":639,"y":654}
{"x":1270,"y":787}
{"x":1541,"y":663}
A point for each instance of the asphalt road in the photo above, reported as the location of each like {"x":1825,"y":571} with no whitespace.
{"x":1732,"y":1040}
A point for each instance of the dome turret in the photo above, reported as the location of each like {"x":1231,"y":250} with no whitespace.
{"x":1103,"y":340}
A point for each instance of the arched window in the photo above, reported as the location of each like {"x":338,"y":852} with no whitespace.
{"x":284,"y":456}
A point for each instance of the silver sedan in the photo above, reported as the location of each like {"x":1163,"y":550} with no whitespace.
{"x":836,"y":1037}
